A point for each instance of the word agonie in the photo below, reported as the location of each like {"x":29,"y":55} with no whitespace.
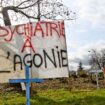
{"x":29,"y":30}
{"x":57,"y":58}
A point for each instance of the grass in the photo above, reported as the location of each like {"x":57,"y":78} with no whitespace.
{"x":55,"y":97}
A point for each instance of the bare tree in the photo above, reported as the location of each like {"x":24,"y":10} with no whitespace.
{"x":16,"y":10}
{"x":21,"y":11}
{"x":97,"y":58}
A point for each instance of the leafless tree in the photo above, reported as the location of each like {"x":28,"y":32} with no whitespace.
{"x":97,"y":58}
{"x":21,"y":11}
{"x":18,"y":11}
{"x":14,"y":12}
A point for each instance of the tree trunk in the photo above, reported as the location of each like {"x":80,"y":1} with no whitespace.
{"x":38,"y":10}
{"x":6,"y":16}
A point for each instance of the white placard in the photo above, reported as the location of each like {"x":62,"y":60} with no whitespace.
{"x":41,"y":46}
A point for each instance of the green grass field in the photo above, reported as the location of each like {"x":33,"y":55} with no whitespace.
{"x":55,"y":97}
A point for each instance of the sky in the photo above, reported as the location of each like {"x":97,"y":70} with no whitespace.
{"x":86,"y":32}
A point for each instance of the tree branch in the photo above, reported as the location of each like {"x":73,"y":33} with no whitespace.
{"x":23,"y":3}
{"x":15,"y":9}
{"x":29,"y":5}
{"x":28,"y":16}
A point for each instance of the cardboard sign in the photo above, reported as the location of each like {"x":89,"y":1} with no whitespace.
{"x":41,"y":46}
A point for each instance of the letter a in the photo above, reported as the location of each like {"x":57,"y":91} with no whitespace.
{"x":28,"y":44}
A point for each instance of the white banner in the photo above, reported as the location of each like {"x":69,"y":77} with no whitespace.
{"x":41,"y":46}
